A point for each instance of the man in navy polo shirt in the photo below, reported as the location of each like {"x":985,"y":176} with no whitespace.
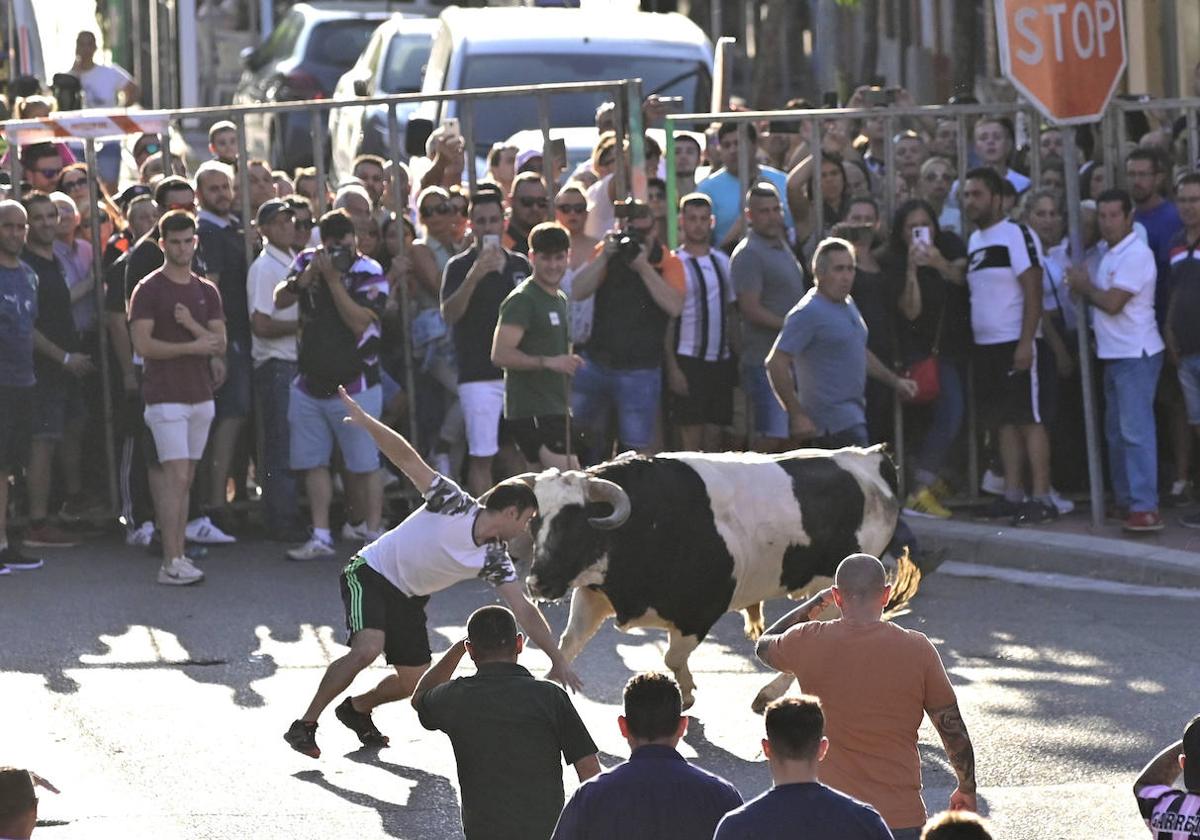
{"x":657,"y":794}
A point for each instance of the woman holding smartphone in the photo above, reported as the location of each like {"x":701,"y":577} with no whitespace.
{"x":925,"y":268}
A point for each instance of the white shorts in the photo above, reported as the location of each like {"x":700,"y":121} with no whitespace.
{"x":180,"y":429}
{"x":483,"y":406}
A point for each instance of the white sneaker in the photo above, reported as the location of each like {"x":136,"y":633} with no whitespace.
{"x":202,"y":530}
{"x":1064,"y":506}
{"x":311,"y":550}
{"x":354,"y":533}
{"x":143,"y":535}
{"x":992,"y":483}
{"x":179,"y":572}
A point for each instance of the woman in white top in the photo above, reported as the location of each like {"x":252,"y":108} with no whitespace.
{"x":570,"y":210}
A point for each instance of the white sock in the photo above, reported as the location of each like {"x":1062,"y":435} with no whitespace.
{"x":323,"y":535}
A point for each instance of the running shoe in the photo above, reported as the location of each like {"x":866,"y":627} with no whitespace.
{"x":361,"y":724}
{"x":4,"y":570}
{"x":45,"y":535}
{"x":143,"y":535}
{"x":1000,"y":508}
{"x":202,"y":530}
{"x":179,"y":572}
{"x":992,"y":483}
{"x":1034,"y":512}
{"x":16,"y":561}
{"x":314,"y":549}
{"x":1179,"y":495}
{"x":1192,"y":520}
{"x":302,"y":737}
{"x":1061,"y":504}
{"x":941,"y":489}
{"x":354,"y":533}
{"x":925,"y":504}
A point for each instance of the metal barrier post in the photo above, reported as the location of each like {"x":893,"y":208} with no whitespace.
{"x":243,"y":182}
{"x":972,"y":414}
{"x":89,"y":153}
{"x":889,"y":197}
{"x":316,"y":129}
{"x":744,"y":185}
{"x":1034,"y":121}
{"x":164,"y":149}
{"x":547,"y":148}
{"x":1193,"y":140}
{"x":1118,"y":159}
{"x":1075,"y":227}
{"x":15,"y":169}
{"x":817,"y":201}
{"x":401,"y":202}
{"x":466,"y":117}
{"x":672,"y":185}
{"x":637,"y":140}
{"x":620,"y":161}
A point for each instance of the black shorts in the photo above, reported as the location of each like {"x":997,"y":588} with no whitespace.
{"x":372,"y":603}
{"x":1008,"y":397}
{"x":548,"y":430}
{"x":710,"y":393}
{"x":16,"y":424}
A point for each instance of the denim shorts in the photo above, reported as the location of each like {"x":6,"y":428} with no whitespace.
{"x":233,"y":397}
{"x":316,"y":424}
{"x":54,"y":400}
{"x":635,"y":394}
{"x":770,"y":419}
{"x":1189,"y":383}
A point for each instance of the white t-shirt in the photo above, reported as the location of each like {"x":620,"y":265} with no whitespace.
{"x":435,"y":548}
{"x":269,"y":270}
{"x":998,"y":256}
{"x":601,"y":216}
{"x":703,"y":332}
{"x":101,"y":85}
{"x":1129,"y":266}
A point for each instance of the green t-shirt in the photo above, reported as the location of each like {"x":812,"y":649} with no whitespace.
{"x":535,"y":393}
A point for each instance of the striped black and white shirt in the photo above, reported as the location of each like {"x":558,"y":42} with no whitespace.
{"x":702,"y":330}
{"x":1170,"y":814}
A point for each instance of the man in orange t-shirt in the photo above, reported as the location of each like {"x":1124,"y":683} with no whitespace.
{"x":876,"y":680}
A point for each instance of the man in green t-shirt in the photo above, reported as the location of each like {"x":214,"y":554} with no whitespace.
{"x":532,"y":348}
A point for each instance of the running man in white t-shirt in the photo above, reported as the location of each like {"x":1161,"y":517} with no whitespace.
{"x":451,"y":538}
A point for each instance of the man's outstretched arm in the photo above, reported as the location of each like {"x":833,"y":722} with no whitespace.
{"x":391,"y":443}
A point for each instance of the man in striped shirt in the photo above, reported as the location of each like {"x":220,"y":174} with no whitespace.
{"x":699,"y":362}
{"x":1170,"y":813}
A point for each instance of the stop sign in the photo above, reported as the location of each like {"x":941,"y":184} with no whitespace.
{"x":1064,"y":56}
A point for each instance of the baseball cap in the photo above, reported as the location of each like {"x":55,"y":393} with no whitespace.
{"x":1191,"y":752}
{"x":270,"y":209}
{"x":526,"y":155}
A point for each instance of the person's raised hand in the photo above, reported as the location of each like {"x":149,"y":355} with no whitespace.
{"x":562,"y":674}
{"x":355,"y":415}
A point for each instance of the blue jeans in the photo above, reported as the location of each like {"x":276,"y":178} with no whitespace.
{"x":272,"y":386}
{"x":1129,"y":386}
{"x":1189,"y":383}
{"x":635,"y":394}
{"x":770,"y":418}
{"x":947,"y":419}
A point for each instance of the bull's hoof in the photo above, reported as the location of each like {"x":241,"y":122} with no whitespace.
{"x":688,"y":701}
{"x":759,"y":706}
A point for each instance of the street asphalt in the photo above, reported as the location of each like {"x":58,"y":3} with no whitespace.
{"x":159,"y":712}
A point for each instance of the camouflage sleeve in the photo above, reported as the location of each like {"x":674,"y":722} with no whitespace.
{"x":498,"y":567}
{"x":444,"y":496}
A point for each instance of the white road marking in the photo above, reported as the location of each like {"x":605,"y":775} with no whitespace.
{"x":1053,"y":580}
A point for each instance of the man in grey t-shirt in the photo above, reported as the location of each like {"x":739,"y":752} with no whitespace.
{"x":768,"y":281}
{"x":819,"y":363}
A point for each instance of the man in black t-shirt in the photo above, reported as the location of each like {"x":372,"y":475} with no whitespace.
{"x":1183,"y":313}
{"x":509,"y":731}
{"x":57,"y":364}
{"x":474,"y":285}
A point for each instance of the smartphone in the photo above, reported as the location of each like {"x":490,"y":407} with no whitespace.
{"x":491,"y":240}
{"x":558,"y":149}
{"x":451,"y":127}
{"x":922,"y":236}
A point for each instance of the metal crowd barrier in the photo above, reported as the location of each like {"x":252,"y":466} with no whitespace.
{"x":626,"y":94}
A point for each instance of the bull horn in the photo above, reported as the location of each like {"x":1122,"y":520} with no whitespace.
{"x":603,"y":490}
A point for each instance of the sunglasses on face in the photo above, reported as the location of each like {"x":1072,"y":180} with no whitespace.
{"x":304,"y":224}
{"x":443,"y":209}
{"x":933,"y":176}
{"x":70,"y":185}
{"x":182,"y":205}
{"x":542,"y":203}
{"x":49,"y":173}
{"x":460,"y":209}
{"x":572,"y":208}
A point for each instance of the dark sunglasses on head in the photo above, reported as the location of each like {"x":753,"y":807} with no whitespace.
{"x":528,"y":201}
{"x":572,"y":208}
{"x":70,"y":185}
{"x":443,"y":209}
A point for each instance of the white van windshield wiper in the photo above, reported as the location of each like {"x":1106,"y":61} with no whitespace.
{"x":674,"y":80}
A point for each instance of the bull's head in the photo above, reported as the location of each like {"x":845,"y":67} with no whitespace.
{"x":570,"y":533}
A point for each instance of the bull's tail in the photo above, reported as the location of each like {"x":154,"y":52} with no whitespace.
{"x":905,"y":580}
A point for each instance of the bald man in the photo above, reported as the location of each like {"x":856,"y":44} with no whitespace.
{"x":876,"y":681}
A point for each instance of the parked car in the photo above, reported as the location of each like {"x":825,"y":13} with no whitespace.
{"x":393,"y":62}
{"x":310,"y":48}
{"x":495,"y":47}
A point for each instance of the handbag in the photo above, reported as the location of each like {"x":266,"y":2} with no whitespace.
{"x":925,"y":371}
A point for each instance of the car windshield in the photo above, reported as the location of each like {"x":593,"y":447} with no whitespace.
{"x":498,"y":118}
{"x":404,"y":67}
{"x":281,"y":42}
{"x":339,"y":42}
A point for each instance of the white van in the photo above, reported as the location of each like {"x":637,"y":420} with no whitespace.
{"x":498,"y":47}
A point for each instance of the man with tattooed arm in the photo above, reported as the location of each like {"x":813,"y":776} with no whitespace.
{"x":876,"y":681}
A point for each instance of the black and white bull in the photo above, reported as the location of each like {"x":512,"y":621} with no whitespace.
{"x":676,"y":540}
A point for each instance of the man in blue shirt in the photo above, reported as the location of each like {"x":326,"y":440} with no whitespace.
{"x":657,"y":794}
{"x":725,"y":190}
{"x":794,"y":746}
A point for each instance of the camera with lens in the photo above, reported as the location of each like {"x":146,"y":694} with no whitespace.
{"x":342,"y":258}
{"x":629,"y":244}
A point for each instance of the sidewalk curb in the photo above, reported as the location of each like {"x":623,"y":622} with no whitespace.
{"x":1080,"y":555}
